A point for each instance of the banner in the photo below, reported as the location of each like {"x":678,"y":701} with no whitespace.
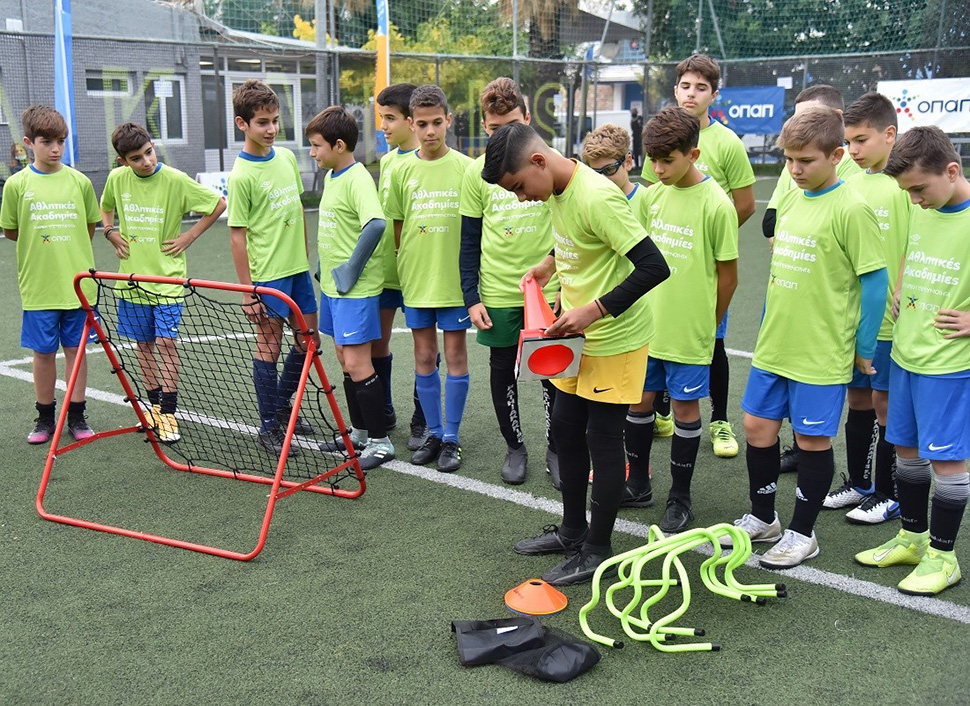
{"x":944,"y":102}
{"x":64,"y":76}
{"x":382,"y":76}
{"x":751,"y":110}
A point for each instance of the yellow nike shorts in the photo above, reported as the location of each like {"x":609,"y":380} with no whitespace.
{"x":617,"y":379}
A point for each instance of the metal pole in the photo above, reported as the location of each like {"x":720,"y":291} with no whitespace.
{"x":335,"y":57}
{"x":220,"y":106}
{"x":647,"y":40}
{"x":939,"y":37}
{"x":515,"y":41}
{"x":717,"y":27}
{"x":700,"y":24}
{"x":321,"y":58}
{"x":599,"y":53}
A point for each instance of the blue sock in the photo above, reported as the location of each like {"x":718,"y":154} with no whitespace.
{"x":456,"y":393}
{"x":429,"y":392}
{"x":264,"y":377}
{"x":290,"y":377}
{"x":382,"y":366}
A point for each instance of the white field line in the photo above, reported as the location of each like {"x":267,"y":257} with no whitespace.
{"x":807,"y":574}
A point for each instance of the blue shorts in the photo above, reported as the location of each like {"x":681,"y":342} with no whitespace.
{"x":350,"y":322}
{"x":721,"y":331}
{"x":814,"y":410}
{"x":683,"y":381}
{"x":453,"y":318}
{"x":880,"y":361}
{"x":45,"y":330}
{"x":392,"y":299}
{"x":930,"y":413}
{"x":146,"y":322}
{"x":298,"y":287}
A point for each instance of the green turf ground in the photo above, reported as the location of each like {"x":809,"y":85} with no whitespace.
{"x":351,"y":601}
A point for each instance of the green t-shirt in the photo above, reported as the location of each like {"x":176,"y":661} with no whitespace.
{"x":425,"y":196}
{"x":264,"y":198}
{"x":51,"y":213}
{"x":694,"y":228}
{"x":893,"y":209}
{"x":515,"y":236}
{"x":844,"y":169}
{"x":823,"y":242}
{"x":349,"y":203}
{"x":594,"y":229}
{"x":723,"y":157}
{"x":388,"y":161}
{"x":149,"y":211}
{"x":935,"y":277}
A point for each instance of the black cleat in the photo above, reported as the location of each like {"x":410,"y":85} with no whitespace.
{"x":272,"y":441}
{"x":449,"y":460}
{"x":419,"y":433}
{"x":552,"y":468}
{"x":789,"y":459}
{"x":637,"y":498}
{"x":550,"y":542}
{"x":428,"y":451}
{"x":579,"y":568}
{"x":390,"y":418}
{"x":301,"y":427}
{"x":513,"y":469}
{"x":676,"y":517}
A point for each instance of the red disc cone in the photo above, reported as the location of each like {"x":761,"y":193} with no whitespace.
{"x":535,"y":597}
{"x":550,"y":359}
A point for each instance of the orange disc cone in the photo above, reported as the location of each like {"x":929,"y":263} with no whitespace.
{"x":538,"y":313}
{"x":535,"y":597}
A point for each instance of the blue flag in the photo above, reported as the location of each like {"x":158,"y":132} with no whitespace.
{"x":64,"y":76}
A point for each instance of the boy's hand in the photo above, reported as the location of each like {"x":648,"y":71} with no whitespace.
{"x":480,"y":316}
{"x":541,"y":273}
{"x":895,"y":309}
{"x":120,"y":244}
{"x":958,"y":322}
{"x":864,"y":365}
{"x":177,"y":246}
{"x":575,"y":320}
{"x":253,"y":308}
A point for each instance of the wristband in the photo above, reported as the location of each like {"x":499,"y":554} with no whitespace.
{"x":600,"y":307}
{"x":109,"y":230}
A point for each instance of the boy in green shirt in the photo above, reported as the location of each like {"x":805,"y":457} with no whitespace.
{"x":826,"y":295}
{"x":50,"y":210}
{"x":351,"y":280}
{"x":500,"y":239}
{"x":423,"y":202}
{"x":606,"y":263}
{"x":267,"y":234}
{"x":929,"y":409}
{"x":870,"y":130}
{"x":694,"y":225}
{"x":606,"y":150}
{"x":151,"y":199}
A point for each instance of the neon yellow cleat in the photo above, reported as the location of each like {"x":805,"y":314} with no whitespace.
{"x":936,"y":572}
{"x":153,"y":414}
{"x":168,"y":428}
{"x":722,"y":437}
{"x":905,"y":548}
{"x":663,"y":426}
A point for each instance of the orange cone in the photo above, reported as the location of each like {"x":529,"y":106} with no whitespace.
{"x":535,"y":597}
{"x":538,"y":313}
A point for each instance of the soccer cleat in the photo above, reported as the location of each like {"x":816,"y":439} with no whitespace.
{"x":877,"y":508}
{"x":552,"y":468}
{"x":153,"y":414}
{"x":337,"y":446}
{"x":41,"y":433}
{"x":633,"y":498}
{"x":449,"y":460}
{"x":625,"y":477}
{"x":513,"y":469}
{"x":550,"y":542}
{"x":676,"y":517}
{"x":301,"y":427}
{"x":419,"y":433}
{"x":428,"y":451}
{"x":790,"y":551}
{"x":168,"y":428}
{"x":79,"y":428}
{"x":579,"y":568}
{"x":905,"y":548}
{"x":723,"y":440}
{"x":758,"y":530}
{"x":936,"y":571}
{"x":789,"y":459}
{"x":663,"y":426}
{"x":846,"y":495}
{"x":376,"y":454}
{"x":272,"y":441}
{"x":390,"y":418}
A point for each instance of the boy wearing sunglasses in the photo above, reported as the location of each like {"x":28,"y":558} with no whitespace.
{"x":606,"y":150}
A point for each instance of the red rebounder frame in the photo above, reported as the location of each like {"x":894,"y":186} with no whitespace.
{"x":280,"y":488}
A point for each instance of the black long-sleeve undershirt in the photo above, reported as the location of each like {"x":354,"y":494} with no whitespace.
{"x":470,"y":259}
{"x":650,"y":269}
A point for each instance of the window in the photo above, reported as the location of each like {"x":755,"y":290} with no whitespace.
{"x":108,"y":83}
{"x":165,"y":107}
{"x":285,"y":92}
{"x":210,"y":112}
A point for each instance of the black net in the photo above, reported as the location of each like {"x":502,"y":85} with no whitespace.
{"x":217,"y":413}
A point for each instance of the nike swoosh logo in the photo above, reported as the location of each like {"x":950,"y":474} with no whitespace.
{"x":689,"y":390}
{"x":350,"y":333}
{"x":597,"y":390}
{"x":933,"y":447}
{"x":879,"y":557}
{"x":464,"y":319}
{"x":811,"y":424}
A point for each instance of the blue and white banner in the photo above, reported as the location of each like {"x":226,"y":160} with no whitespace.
{"x":64,"y":76}
{"x":751,"y":110}
{"x":944,"y":102}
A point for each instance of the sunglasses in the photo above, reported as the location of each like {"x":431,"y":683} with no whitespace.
{"x":611,"y":169}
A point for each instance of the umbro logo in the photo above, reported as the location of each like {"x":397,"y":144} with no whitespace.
{"x":654,"y":208}
{"x":412,"y":183}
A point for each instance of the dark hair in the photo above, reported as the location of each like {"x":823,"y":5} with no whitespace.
{"x":43,"y":121}
{"x":507,"y":150}
{"x":129,"y":137}
{"x":429,"y":96}
{"x":397,"y":96}
{"x":671,"y":129}
{"x":332,"y":124}
{"x":872,"y":109}
{"x":501,"y":97}
{"x":926,"y":147}
{"x":817,"y":126}
{"x":822,"y":93}
{"x":701,"y":64}
{"x":250,"y":97}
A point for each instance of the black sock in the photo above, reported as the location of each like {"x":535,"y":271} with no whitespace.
{"x":505,"y":394}
{"x":353,"y":406}
{"x":720,"y":379}
{"x":155,"y":395}
{"x":45,"y":412}
{"x":683,"y":456}
{"x":913,"y":491}
{"x":885,"y":465}
{"x":169,"y":402}
{"x":860,"y":437}
{"x":75,"y":410}
{"x":605,"y":438}
{"x":815,"y":472}
{"x":370,"y":398}
{"x":639,"y":441}
{"x":764,"y":467}
{"x":949,"y":502}
{"x":382,"y":366}
{"x":661,"y":404}
{"x":548,"y":400}
{"x":569,"y":430}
